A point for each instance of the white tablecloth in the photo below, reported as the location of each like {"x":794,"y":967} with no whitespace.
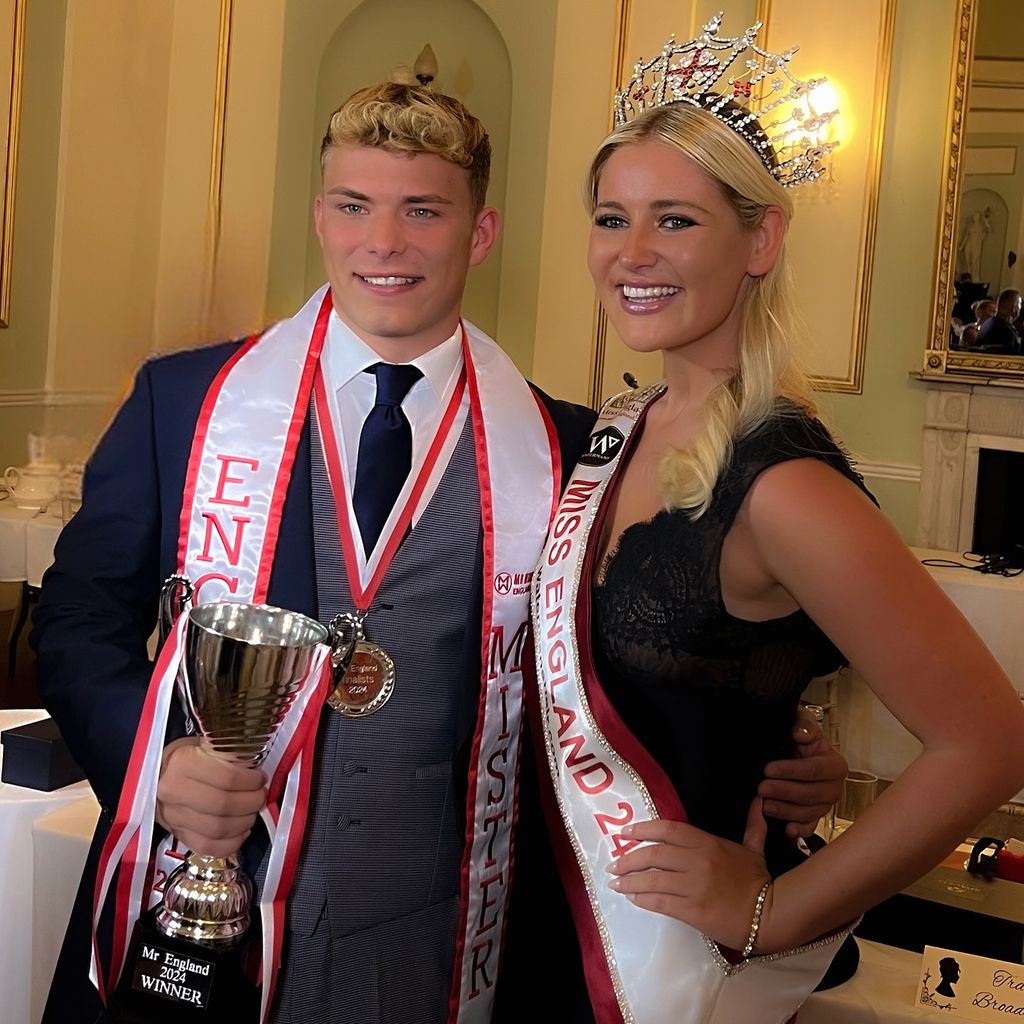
{"x":883,"y":991}
{"x":26,"y":543}
{"x":19,"y":809}
{"x":993,"y":605}
{"x":871,"y":737}
{"x":60,"y":844}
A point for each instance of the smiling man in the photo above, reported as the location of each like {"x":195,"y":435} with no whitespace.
{"x":373,"y":455}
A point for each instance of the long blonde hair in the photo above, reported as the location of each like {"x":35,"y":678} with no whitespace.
{"x":767,"y":369}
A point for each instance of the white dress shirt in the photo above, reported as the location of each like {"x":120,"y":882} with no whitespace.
{"x":351,"y":394}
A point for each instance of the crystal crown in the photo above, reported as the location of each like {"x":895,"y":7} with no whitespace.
{"x":760,"y":99}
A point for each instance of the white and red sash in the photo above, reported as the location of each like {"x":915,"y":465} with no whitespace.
{"x":241,"y":461}
{"x":641,"y":967}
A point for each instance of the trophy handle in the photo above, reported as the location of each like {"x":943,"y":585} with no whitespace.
{"x":175,"y":596}
{"x":344,"y":632}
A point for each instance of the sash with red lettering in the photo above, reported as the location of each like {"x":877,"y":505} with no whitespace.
{"x":640,"y":966}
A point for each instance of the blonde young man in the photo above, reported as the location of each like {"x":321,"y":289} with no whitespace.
{"x":413,"y":488}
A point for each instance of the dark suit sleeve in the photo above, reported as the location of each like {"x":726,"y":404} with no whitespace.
{"x":98,"y":602}
{"x":573,"y":424}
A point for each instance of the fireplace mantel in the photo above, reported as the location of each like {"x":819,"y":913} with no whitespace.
{"x":962,"y":416}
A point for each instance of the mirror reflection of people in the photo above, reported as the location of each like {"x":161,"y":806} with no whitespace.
{"x":998,"y":336}
{"x":983,"y":310}
{"x":949,"y":969}
{"x":732,"y":553}
{"x":964,"y":295}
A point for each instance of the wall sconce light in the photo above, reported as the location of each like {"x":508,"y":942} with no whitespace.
{"x":816,"y":123}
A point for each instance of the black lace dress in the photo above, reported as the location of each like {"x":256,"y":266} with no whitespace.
{"x":712,"y":697}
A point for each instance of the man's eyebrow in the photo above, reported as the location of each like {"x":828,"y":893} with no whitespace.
{"x":340,"y":190}
{"x":427,"y":200}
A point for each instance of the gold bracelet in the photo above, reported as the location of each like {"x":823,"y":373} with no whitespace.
{"x":756,"y":921}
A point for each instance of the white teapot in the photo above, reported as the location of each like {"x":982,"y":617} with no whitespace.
{"x":34,"y":486}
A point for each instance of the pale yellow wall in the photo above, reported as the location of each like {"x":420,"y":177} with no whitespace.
{"x":23,"y":344}
{"x":884,"y":424}
{"x":109,"y":191}
{"x":251,"y":139}
{"x":584,"y":42}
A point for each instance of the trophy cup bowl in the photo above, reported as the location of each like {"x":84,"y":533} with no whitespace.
{"x":242,"y":670}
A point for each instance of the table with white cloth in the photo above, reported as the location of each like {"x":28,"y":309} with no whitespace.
{"x":26,"y":543}
{"x":883,"y":991}
{"x":60,"y":845}
{"x":20,"y":809}
{"x":871,"y":737}
{"x":26,"y":552}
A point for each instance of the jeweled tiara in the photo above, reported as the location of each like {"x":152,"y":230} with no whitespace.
{"x":693,"y":73}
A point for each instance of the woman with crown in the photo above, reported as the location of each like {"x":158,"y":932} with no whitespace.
{"x":713,"y":552}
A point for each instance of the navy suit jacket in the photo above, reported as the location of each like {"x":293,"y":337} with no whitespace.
{"x":99,"y":600}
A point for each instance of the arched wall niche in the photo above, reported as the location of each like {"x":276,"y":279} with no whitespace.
{"x":498,"y":61}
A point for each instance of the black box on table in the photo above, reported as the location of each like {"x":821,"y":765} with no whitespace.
{"x":36,"y":757}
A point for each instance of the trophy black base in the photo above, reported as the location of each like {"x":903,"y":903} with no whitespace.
{"x":169,"y":979}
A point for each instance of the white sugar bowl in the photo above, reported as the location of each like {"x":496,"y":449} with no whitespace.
{"x":34,"y":486}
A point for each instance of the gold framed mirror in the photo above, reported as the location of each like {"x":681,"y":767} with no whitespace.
{"x":981,"y":220}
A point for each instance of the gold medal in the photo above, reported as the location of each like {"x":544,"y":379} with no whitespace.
{"x":364,"y":673}
{"x":367,"y":684}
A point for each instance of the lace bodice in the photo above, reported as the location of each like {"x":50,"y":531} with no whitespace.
{"x":711,"y":696}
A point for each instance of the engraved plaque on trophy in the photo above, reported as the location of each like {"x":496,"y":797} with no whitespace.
{"x":190,"y":956}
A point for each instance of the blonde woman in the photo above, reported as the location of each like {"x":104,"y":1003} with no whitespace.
{"x":713,"y":552}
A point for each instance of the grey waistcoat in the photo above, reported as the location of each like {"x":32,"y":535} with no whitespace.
{"x":373,"y":912}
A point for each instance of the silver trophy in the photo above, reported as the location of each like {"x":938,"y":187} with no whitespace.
{"x":242,"y":670}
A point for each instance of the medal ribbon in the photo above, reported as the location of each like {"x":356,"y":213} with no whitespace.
{"x":235,"y":487}
{"x":363,"y":596}
{"x":641,"y":967}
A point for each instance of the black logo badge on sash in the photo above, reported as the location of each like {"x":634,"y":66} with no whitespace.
{"x":603,"y":447}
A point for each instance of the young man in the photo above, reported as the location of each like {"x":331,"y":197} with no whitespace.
{"x":405,"y":472}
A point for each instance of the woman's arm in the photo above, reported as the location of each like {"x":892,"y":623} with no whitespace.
{"x":845,"y":565}
{"x":841,"y":560}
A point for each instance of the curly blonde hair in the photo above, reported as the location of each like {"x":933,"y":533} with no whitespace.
{"x":768,"y":381}
{"x":410,"y":119}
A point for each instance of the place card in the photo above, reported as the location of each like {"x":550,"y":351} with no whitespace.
{"x":970,"y":987}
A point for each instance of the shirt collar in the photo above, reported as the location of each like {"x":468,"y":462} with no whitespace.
{"x":348,"y":355}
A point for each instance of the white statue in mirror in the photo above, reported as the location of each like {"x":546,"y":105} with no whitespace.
{"x":973,"y":233}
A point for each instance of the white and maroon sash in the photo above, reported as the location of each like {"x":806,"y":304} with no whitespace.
{"x":241,"y":461}
{"x":641,"y":967}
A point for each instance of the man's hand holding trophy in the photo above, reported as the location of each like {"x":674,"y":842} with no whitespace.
{"x":252,"y":680}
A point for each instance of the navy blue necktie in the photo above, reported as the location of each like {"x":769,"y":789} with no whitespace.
{"x":385,"y":451}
